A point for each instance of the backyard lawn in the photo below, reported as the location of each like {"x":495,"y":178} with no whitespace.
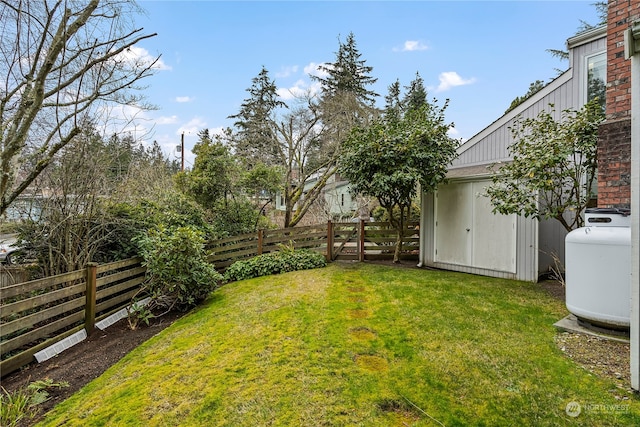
{"x":356,"y":345}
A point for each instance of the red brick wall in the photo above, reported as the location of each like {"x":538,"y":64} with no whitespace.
{"x":614,"y":145}
{"x":614,"y":166}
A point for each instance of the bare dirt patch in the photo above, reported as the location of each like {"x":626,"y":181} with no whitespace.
{"x":359,"y":314}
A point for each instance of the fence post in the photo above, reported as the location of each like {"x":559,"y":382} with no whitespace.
{"x":330,"y":237}
{"x":90,"y":293}
{"x":361,"y":241}
{"x":260,"y":240}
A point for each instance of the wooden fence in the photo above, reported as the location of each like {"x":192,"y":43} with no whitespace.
{"x":39,"y":313}
{"x":358,"y":241}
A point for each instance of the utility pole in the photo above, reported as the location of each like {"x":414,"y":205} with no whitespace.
{"x":182,"y":152}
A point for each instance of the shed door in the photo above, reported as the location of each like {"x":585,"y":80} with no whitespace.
{"x":453,"y":224}
{"x":494,"y":235}
{"x":469,"y":234}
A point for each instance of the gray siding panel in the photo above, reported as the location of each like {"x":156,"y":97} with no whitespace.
{"x":565,"y":92}
{"x":535,"y":240}
{"x":552,"y":237}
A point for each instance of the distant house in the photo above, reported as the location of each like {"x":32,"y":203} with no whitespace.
{"x":458,"y":229}
{"x":336,"y":200}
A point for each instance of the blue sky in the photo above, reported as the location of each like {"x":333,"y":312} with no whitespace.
{"x":480,"y":55}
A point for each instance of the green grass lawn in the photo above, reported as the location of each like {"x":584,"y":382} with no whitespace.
{"x":355,"y":345}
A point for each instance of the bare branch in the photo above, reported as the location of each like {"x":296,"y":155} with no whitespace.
{"x":60,"y":62}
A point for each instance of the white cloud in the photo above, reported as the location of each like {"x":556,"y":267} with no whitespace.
{"x":453,"y":132}
{"x":299,"y":89}
{"x":287,"y":71}
{"x":192,"y":127}
{"x":119,"y":118}
{"x":411,"y":45}
{"x":450,"y":79}
{"x":304,"y":87}
{"x":314,"y":69}
{"x":183,"y":99}
{"x":164,"y":120}
{"x":139,"y":55}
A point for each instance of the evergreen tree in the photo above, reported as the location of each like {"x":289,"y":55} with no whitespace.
{"x":416,"y":95}
{"x":255,"y":140}
{"x":348,"y":74}
{"x":393,"y":106}
{"x":346,"y":100}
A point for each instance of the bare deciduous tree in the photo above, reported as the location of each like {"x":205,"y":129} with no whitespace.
{"x":61,"y":61}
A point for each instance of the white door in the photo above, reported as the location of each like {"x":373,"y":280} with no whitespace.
{"x":494,"y":235}
{"x":468,"y":233}
{"x":453,"y":224}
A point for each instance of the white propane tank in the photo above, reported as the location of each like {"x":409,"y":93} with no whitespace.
{"x":598,"y":269}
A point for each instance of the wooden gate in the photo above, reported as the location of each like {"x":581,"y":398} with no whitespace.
{"x":359,"y":241}
{"x":346,"y":240}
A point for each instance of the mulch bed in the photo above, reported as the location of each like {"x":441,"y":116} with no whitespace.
{"x":85,"y":361}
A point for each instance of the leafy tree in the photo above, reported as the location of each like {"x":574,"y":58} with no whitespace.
{"x":261,"y":184}
{"x":533,"y":89}
{"x":389,"y":158}
{"x":213,"y":174}
{"x":60,"y":61}
{"x":218,"y":184}
{"x":553,"y":171}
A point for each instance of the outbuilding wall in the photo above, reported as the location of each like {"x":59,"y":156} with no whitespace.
{"x":539,"y":245}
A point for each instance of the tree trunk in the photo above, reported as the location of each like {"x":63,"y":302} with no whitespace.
{"x":399,"y":236}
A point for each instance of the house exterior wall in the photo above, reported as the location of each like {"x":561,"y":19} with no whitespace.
{"x":539,"y":244}
{"x":614,"y":143}
{"x":491,"y":144}
{"x":335,"y":198}
{"x":566,"y":92}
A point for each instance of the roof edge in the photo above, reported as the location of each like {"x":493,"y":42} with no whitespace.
{"x":587,"y":36}
{"x":550,"y":87}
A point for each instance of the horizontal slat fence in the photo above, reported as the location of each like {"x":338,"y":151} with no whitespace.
{"x":337,"y":240}
{"x":380,"y":241}
{"x":39,"y":313}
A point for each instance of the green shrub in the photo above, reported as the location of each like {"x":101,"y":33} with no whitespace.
{"x":179,"y":274}
{"x":23,"y":403}
{"x":275,"y":263}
